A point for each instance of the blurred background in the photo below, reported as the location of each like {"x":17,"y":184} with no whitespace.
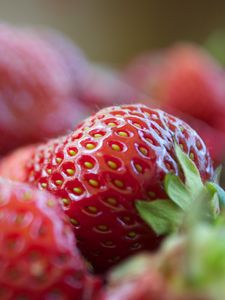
{"x":102,"y":53}
{"x":113,"y":31}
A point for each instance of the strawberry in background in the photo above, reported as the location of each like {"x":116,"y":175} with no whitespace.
{"x":188,"y":82}
{"x":41,"y":78}
{"x":107,"y":87}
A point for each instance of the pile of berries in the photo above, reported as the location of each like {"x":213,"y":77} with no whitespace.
{"x":99,"y":172}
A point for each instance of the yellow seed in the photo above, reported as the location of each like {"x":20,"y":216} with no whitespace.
{"x":27,"y":196}
{"x":59,"y":182}
{"x":86,"y":128}
{"x":72,"y":152}
{"x":112,"y":164}
{"x":151,"y":194}
{"x":143,"y":150}
{"x":168,"y":166}
{"x":88,"y":165}
{"x":90,"y":146}
{"x":97,"y":135}
{"x":149,"y":140}
{"x":198,"y":144}
{"x":49,"y":171}
{"x":126,"y":219}
{"x":66,"y":201}
{"x":132,"y":234}
{"x":78,"y":190}
{"x":93,"y":182}
{"x":116,"y":147}
{"x":102,"y":227}
{"x":50,"y":203}
{"x":138,"y":168}
{"x":119,"y":183}
{"x":92,"y":209}
{"x":58,"y":160}
{"x":192,"y":156}
{"x":122,"y":133}
{"x":108,"y":243}
{"x":70,"y":172}
{"x":181,"y":128}
{"x":181,"y":146}
{"x":43,"y":185}
{"x":111,"y":201}
{"x":111,"y":124}
{"x":137,"y":125}
{"x":74,"y":221}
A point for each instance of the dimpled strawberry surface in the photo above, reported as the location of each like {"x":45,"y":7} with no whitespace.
{"x":38,"y":254}
{"x":115,"y":157}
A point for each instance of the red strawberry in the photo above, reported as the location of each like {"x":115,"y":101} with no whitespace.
{"x":185,"y":78}
{"x":38,"y":254}
{"x":37,"y":88}
{"x":115,"y":157}
{"x":12,"y":166}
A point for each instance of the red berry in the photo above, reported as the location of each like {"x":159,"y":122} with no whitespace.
{"x":115,"y":157}
{"x":38,"y":255}
{"x":37,"y":88}
{"x":185,"y":78}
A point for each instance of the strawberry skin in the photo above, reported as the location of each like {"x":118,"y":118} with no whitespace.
{"x":38,"y":254}
{"x":114,"y":158}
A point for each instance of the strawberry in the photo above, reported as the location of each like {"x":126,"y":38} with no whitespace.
{"x":12,"y":166}
{"x":38,"y":254}
{"x":184,"y":77}
{"x":115,"y":157}
{"x":37,"y":88}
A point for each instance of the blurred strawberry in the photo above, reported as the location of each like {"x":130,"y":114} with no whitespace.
{"x":38,"y":254}
{"x":12,"y":166}
{"x":37,"y":87}
{"x":107,"y":87}
{"x":185,"y":78}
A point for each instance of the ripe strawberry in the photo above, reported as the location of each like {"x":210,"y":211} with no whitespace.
{"x":185,"y":78}
{"x":38,"y":255}
{"x":115,"y":157}
{"x":37,"y":88}
{"x":12,"y":166}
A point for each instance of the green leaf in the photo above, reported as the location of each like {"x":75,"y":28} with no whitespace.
{"x":162,"y":215}
{"x":217,"y":189}
{"x":217,"y":174}
{"x":177,"y":191}
{"x":192,"y":177}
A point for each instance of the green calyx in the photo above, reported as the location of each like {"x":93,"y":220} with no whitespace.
{"x":168,"y":215}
